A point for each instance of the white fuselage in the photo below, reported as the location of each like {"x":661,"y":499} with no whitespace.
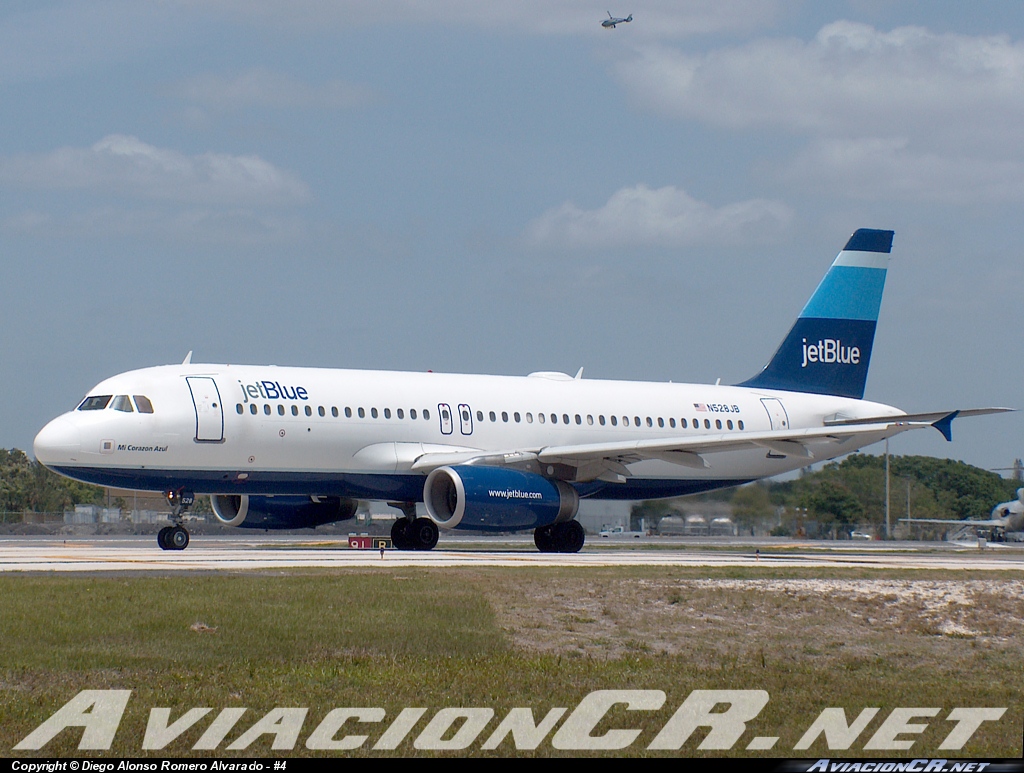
{"x":228,"y":429}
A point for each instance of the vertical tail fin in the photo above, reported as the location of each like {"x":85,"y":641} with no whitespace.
{"x":828,"y":349}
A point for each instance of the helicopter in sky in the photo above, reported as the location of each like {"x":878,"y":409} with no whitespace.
{"x":611,"y":21}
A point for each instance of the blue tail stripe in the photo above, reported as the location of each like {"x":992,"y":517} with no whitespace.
{"x":870,"y":240}
{"x":847,"y":292}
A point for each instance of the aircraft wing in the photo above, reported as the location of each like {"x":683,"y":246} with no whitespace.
{"x":987,"y":522}
{"x":607,"y":461}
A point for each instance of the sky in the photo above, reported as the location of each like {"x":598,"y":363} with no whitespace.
{"x":475,"y":186}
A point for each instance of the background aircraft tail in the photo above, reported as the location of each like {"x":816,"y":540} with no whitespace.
{"x":828,"y":350}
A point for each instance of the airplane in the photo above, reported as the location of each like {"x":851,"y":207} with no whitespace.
{"x":611,"y":21}
{"x":1006,"y":516}
{"x":283,"y":447}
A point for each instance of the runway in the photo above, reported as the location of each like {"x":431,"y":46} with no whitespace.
{"x":234,"y":554}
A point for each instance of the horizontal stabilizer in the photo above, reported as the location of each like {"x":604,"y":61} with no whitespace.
{"x":941,"y":420}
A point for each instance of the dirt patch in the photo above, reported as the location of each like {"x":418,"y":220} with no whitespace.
{"x":772,"y":619}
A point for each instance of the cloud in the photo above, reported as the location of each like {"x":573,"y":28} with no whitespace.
{"x":850,"y":80}
{"x":654,"y":19}
{"x":666,"y":216}
{"x":872,"y":167}
{"x":263,"y":88}
{"x":58,"y":39}
{"x":125,"y":166}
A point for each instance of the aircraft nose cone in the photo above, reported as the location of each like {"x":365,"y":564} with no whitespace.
{"x":57,"y":441}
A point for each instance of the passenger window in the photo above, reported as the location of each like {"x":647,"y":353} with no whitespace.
{"x":565,"y":418}
{"x":625,"y":421}
{"x":238,"y":408}
{"x":554,"y":418}
{"x":504,"y":416}
{"x":321,"y":411}
{"x":362,"y":413}
{"x":707,"y":423}
{"x":718,"y":423}
{"x":295,"y":410}
{"x":401,"y":413}
{"x":387,"y":413}
{"x":373,"y":413}
{"x":491,"y":416}
{"x":309,"y":411}
{"x":615,"y":421}
{"x":96,"y":403}
{"x":334,"y":412}
{"x":143,"y":404}
{"x":590,"y":420}
{"x":426,"y":414}
{"x":280,"y":410}
{"x":637,"y":420}
{"x":479,"y":415}
{"x":529,"y":418}
{"x":729,"y":424}
{"x":740,"y":424}
{"x":661,"y":422}
{"x":672,"y":422}
{"x":252,"y":408}
{"x":649,"y":422}
{"x":123,"y":404}
{"x":516,"y":416}
{"x":600,"y":419}
{"x":540,"y":418}
{"x":266,"y":408}
{"x":412,"y":413}
{"x":578,"y":419}
{"x":682,"y":423}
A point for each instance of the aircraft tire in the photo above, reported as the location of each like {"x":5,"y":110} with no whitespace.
{"x":544,"y":539}
{"x":161,"y":538}
{"x":423,"y":534}
{"x":177,"y":538}
{"x":400,"y":534}
{"x":569,"y":537}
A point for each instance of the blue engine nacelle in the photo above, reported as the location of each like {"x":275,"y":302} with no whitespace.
{"x":249,"y":512}
{"x":496,"y":499}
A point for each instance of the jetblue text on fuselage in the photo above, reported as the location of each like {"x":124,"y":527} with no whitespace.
{"x":272,"y":390}
{"x":830,"y":350}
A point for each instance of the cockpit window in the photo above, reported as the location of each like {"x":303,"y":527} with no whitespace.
{"x":143,"y":404}
{"x":95,"y":403}
{"x":123,"y":404}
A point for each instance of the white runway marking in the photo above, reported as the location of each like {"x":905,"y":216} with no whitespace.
{"x":113,"y":554}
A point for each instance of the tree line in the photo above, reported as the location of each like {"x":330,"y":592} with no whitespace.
{"x":27,"y":486}
{"x":848,"y":494}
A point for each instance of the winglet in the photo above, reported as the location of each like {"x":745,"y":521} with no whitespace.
{"x":945,"y":425}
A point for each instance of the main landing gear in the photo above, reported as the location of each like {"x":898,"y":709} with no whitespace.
{"x":410,"y":532}
{"x":176,"y":537}
{"x":567,"y":537}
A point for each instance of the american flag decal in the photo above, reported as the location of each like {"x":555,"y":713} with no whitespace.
{"x":700,"y":407}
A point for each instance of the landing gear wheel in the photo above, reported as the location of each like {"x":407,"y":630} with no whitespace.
{"x":569,"y":537}
{"x":400,"y":537}
{"x":161,"y":538}
{"x":544,"y":539}
{"x":176,"y":538}
{"x":423,"y":534}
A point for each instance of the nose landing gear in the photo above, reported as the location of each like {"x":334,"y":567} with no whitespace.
{"x":176,"y":537}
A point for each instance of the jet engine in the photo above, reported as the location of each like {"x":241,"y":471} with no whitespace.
{"x":251,"y":512}
{"x":496,"y":499}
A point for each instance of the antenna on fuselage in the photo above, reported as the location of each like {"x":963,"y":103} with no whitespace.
{"x":188,"y":358}
{"x":579,"y":374}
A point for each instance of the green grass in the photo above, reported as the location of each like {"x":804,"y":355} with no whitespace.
{"x":448,"y":638}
